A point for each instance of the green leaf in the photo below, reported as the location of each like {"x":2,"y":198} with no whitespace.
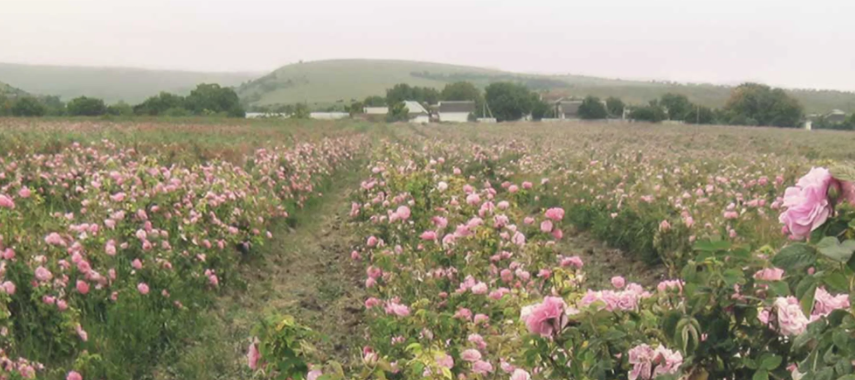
{"x":780,"y":288}
{"x":711,"y":246}
{"x":805,"y":292}
{"x":771,"y":362}
{"x":761,"y":375}
{"x":841,"y":339}
{"x":835,"y":250}
{"x":836,"y":281}
{"x":795,"y":257}
{"x":851,"y":263}
{"x":843,"y":173}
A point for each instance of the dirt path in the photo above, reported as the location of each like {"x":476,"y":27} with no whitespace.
{"x":602,"y":262}
{"x":307,"y":273}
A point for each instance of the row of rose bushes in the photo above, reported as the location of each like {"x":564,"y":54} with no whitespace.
{"x":466,"y":280}
{"x":108,"y":254}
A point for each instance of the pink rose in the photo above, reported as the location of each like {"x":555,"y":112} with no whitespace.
{"x":143,"y":288}
{"x":807,"y":205}
{"x":470,"y":355}
{"x":82,"y":287}
{"x":618,"y":282}
{"x":252,"y":356}
{"x":546,"y":226}
{"x":556,"y":213}
{"x":545,"y":318}
{"x":769,"y":274}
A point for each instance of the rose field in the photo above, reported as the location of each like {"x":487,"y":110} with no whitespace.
{"x":210,"y":249}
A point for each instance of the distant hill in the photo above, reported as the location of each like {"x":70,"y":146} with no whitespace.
{"x":9,"y":91}
{"x":110,"y":83}
{"x":325,"y":83}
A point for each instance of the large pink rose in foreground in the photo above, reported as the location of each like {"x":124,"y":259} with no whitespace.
{"x":807,"y":205}
{"x":545,"y":318}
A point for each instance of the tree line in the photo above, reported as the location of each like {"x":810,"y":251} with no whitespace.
{"x":749,"y":104}
{"x":205,"y":99}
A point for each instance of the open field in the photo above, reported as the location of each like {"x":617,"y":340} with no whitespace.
{"x":223,"y":249}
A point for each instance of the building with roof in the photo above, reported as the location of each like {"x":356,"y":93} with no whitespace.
{"x":416,"y":113}
{"x":566,"y":109}
{"x":836,"y":117}
{"x":456,"y":111}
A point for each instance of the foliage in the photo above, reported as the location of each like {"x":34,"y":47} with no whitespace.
{"x":653,"y":113}
{"x":83,"y":106}
{"x":374,"y":101}
{"x":147,"y":238}
{"x":301,"y":111}
{"x":700,"y":115}
{"x":158,"y":104}
{"x":508,"y":101}
{"x":592,"y":109}
{"x":355,"y":108}
{"x":460,"y":91}
{"x":402,"y":91}
{"x":398,"y":112}
{"x":120,"y":109}
{"x":757,"y":104}
{"x":677,"y":106}
{"x":213,"y":99}
{"x":615,"y":107}
{"x":28,"y":106}
{"x":540,"y":109}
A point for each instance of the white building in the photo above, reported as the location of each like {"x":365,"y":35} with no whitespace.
{"x":456,"y":111}
{"x":416,"y":113}
{"x":329,"y":115}
{"x":265,"y":115}
{"x":375,"y":110}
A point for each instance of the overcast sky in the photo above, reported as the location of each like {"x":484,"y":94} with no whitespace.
{"x":803,"y":43}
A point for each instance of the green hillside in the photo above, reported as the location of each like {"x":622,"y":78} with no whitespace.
{"x":110,"y":83}
{"x":7,"y":90}
{"x":325,"y":83}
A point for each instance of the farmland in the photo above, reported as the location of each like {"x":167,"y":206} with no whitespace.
{"x":294,"y":249}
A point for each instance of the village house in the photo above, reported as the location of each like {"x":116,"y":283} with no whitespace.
{"x":375,"y":110}
{"x":566,"y":109}
{"x":416,"y":113}
{"x":456,"y":111}
{"x":836,"y":116}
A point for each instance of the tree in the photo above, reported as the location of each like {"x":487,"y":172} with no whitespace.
{"x":5,"y":105}
{"x":158,"y":104}
{"x":301,"y":111}
{"x":120,"y":109}
{"x":677,"y":105}
{"x":374,"y":101}
{"x":757,"y":104}
{"x":592,"y":108}
{"x":355,"y":108}
{"x":83,"y":106}
{"x":700,"y":115}
{"x":425,"y":95}
{"x":212,"y":99}
{"x":508,"y":101}
{"x":615,"y":106}
{"x":652,"y":112}
{"x":460,"y":91}
{"x":398,"y":112}
{"x":402,"y":91}
{"x":399,"y":93}
{"x":539,"y":108}
{"x":463,"y":91}
{"x":28,"y":106}
{"x":53,"y":105}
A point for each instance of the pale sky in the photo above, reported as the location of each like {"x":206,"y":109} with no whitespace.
{"x":794,"y":43}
